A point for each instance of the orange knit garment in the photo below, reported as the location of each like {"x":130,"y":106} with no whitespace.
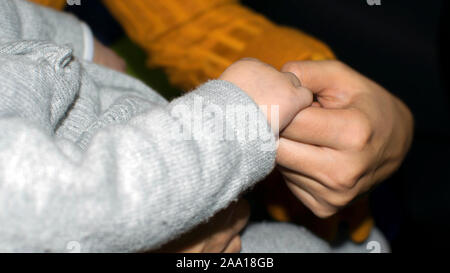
{"x":196,"y":40}
{"x":56,"y":4}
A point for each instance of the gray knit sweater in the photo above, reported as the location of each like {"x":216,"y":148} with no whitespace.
{"x":87,"y":155}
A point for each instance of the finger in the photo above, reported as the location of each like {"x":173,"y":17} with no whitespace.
{"x":315,"y":188}
{"x":318,"y":75}
{"x":332,"y":128}
{"x":294,"y":80}
{"x":240,"y":216}
{"x":234,"y":246}
{"x":303,"y":95}
{"x":320,"y":210}
{"x":336,"y":170}
{"x":309,"y":160}
{"x":224,"y":231}
{"x":326,"y":196}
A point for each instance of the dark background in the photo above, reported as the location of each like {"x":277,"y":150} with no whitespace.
{"x":403,"y":45}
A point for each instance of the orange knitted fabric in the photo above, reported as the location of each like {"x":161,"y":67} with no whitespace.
{"x":195,"y":40}
{"x":56,"y":4}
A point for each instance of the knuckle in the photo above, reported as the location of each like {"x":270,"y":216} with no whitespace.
{"x":346,"y":179}
{"x":306,"y":95}
{"x":359,"y":132}
{"x":323,"y":212}
{"x":248,"y":63}
{"x":350,"y":167}
{"x":340,"y":200}
{"x":322,"y":209}
{"x":291,"y":66}
{"x":243,"y":64}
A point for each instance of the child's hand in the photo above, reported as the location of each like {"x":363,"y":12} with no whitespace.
{"x":267,"y":86}
{"x":219,"y":234}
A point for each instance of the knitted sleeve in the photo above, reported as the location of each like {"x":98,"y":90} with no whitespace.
{"x":93,"y":156}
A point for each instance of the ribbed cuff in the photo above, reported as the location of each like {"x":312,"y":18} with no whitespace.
{"x":258,"y":152}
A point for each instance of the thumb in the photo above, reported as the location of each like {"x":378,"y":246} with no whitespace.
{"x":318,"y":76}
{"x":302,"y":98}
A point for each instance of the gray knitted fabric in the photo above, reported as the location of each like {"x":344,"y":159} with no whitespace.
{"x":87,"y":155}
{"x":273,"y":237}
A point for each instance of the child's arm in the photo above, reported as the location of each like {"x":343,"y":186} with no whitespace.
{"x":132,"y":186}
{"x":127,"y":185}
{"x":110,"y":175}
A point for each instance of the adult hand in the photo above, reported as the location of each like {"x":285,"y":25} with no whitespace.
{"x":354,"y":136}
{"x":106,"y":57}
{"x":219,"y":234}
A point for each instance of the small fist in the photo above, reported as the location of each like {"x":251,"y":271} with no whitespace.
{"x":219,"y":235}
{"x":267,"y":86}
